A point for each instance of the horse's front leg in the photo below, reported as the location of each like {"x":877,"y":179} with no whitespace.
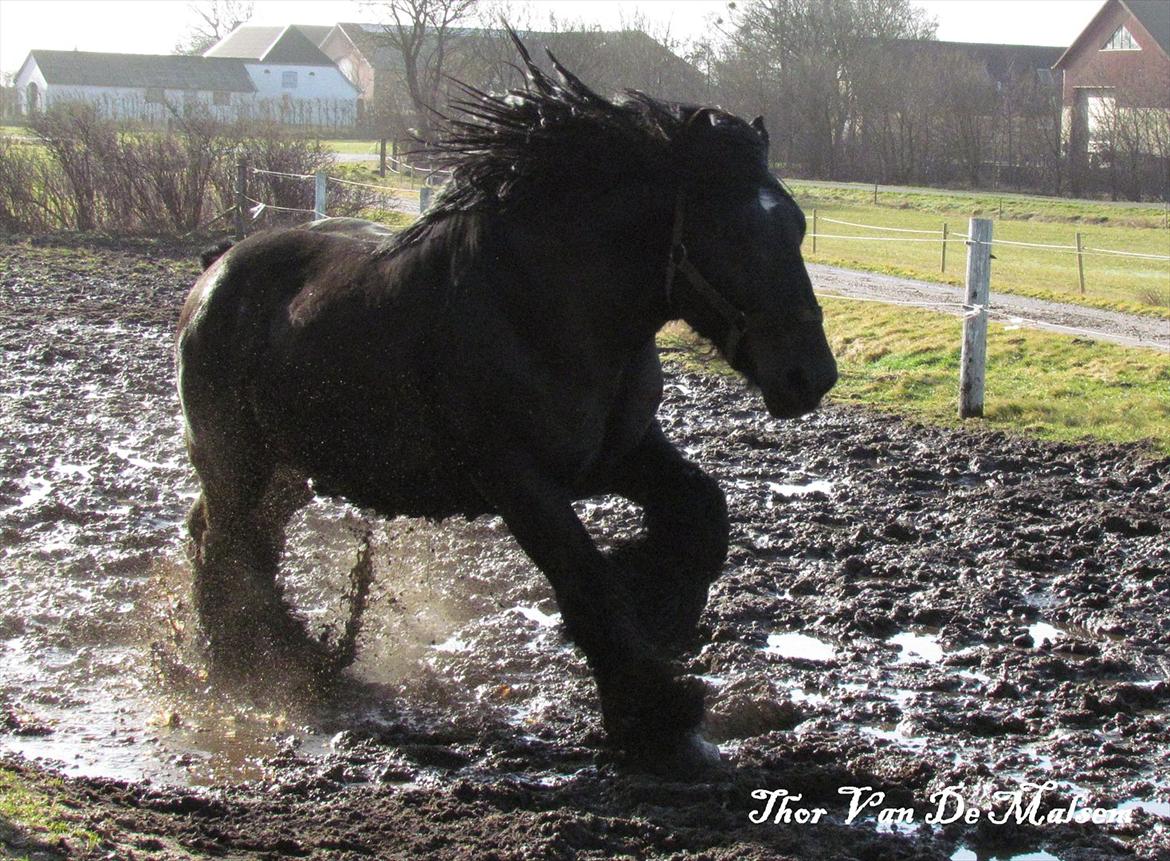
{"x":649,"y":710}
{"x":685,"y":545}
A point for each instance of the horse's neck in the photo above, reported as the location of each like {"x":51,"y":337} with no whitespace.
{"x":604,"y":278}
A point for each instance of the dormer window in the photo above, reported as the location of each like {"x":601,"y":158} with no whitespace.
{"x":1121,"y":40}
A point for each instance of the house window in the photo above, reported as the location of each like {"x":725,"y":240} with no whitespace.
{"x":154,"y":95}
{"x":1096,"y":117}
{"x":1121,"y":40}
{"x":220,"y":97}
{"x":288,"y":80}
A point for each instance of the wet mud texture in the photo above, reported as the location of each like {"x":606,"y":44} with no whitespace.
{"x":976,"y":611}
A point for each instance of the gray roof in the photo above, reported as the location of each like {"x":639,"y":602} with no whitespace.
{"x":1155,"y":17}
{"x":295,"y":44}
{"x":172,"y":72}
{"x":1003,"y":62}
{"x":246,"y":42}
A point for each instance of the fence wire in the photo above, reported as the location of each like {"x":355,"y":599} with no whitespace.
{"x":968,"y":310}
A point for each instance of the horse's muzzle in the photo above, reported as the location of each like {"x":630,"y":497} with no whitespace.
{"x":801,"y":390}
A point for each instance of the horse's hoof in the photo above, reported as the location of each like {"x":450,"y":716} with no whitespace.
{"x":686,"y":757}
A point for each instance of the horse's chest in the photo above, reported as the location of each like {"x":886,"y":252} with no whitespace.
{"x":586,"y":419}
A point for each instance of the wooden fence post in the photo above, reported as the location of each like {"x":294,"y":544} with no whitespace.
{"x":1081,"y":262}
{"x":973,"y":360}
{"x":319,"y":193}
{"x":241,"y":198}
{"x":382,"y":157}
{"x":944,"y":250}
{"x":424,"y":198}
{"x":814,"y":236}
{"x":875,"y":194}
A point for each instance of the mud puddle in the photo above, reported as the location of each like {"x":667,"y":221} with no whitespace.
{"x":904,"y":608}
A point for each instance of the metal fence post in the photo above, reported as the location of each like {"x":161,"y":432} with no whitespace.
{"x":1081,"y":262}
{"x":319,"y":195}
{"x":973,"y":359}
{"x":241,"y":198}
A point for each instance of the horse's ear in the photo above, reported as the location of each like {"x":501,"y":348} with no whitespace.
{"x":758,"y":125}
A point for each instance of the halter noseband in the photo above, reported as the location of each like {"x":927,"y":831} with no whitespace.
{"x":739,"y":323}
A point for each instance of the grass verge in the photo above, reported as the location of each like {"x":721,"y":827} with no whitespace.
{"x":32,"y":822}
{"x":1132,"y":285}
{"x":906,"y":361}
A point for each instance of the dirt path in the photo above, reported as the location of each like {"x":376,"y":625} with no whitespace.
{"x":904,"y":607}
{"x":1130,"y":330}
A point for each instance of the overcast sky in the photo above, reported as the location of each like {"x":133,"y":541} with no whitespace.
{"x":154,"y":26}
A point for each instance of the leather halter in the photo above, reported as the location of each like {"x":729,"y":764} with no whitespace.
{"x":739,"y":323}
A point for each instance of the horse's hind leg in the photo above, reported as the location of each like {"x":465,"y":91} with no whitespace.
{"x":237,"y":528}
{"x":685,"y":516}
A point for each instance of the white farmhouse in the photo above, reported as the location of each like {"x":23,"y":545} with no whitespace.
{"x":134,"y":86}
{"x":286,"y":79}
{"x":293,"y":77}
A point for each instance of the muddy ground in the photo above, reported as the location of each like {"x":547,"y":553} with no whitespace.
{"x":904,"y":608}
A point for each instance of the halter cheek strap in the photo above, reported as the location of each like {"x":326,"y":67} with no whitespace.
{"x":739,"y":323}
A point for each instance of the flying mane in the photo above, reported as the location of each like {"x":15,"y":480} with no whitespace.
{"x":533,"y":146}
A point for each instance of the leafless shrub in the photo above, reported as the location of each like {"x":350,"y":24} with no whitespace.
{"x":28,"y":199}
{"x":91,"y":173}
{"x":74,"y":134}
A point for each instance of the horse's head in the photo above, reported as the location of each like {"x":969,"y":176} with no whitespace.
{"x":736,"y":274}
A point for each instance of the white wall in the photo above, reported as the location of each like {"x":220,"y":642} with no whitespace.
{"x":29,"y":73}
{"x":131,"y":102}
{"x":322,"y":97}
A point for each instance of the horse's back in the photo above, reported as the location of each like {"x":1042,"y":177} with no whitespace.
{"x":308,"y":337}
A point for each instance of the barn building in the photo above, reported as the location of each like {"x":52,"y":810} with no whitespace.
{"x":293,"y":76}
{"x":1118,"y":68}
{"x":286,"y":80}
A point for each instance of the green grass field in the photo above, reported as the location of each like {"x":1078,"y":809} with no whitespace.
{"x":350,"y":147}
{"x":906,"y":361}
{"x":1127,"y":284}
{"x":32,"y":821}
{"x":1138,"y":286}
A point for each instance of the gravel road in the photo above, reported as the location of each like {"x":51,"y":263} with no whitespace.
{"x":1130,"y":330}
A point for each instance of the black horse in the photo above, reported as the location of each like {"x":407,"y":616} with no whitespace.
{"x":498,"y":357}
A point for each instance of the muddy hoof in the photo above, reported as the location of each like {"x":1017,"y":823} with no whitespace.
{"x":686,"y":757}
{"x":274,"y":659}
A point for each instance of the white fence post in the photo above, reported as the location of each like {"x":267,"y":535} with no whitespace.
{"x":319,"y":196}
{"x":973,"y":361}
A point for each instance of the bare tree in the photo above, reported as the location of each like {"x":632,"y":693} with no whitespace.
{"x":214,"y":19}
{"x":426,"y":34}
{"x":806,"y":55}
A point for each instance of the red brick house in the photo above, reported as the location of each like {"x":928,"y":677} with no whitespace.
{"x":1118,"y":69}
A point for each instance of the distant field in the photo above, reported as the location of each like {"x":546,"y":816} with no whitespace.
{"x":906,"y":361}
{"x":352,"y":147}
{"x":1127,"y":284}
